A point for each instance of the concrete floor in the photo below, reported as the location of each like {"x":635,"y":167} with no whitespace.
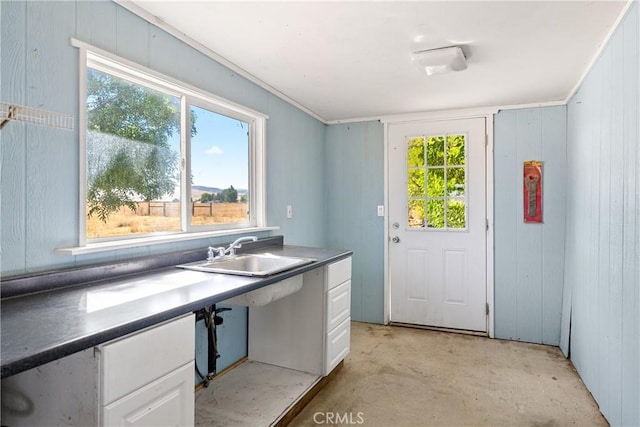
{"x":397,"y":376}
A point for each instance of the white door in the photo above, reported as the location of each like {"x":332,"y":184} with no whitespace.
{"x":437,"y":224}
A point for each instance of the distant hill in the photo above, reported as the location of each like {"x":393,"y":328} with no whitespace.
{"x":204,"y":189}
{"x":198,"y":190}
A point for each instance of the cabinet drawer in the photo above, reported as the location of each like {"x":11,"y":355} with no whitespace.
{"x":338,"y":272}
{"x":338,"y":304}
{"x":338,"y":345}
{"x":168,"y":401}
{"x":139,"y":359}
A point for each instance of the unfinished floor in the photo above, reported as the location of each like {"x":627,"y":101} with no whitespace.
{"x":397,"y":376}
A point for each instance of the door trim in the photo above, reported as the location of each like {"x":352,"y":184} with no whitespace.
{"x":487,"y":114}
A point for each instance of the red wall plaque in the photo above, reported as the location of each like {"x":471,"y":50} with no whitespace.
{"x":532,"y":191}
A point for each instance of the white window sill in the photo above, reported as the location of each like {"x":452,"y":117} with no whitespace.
{"x":112,"y":245}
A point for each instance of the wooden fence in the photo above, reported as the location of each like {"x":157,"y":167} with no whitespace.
{"x":172,"y":209}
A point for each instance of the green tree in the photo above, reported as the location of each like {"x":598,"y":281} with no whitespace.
{"x":207,"y":197}
{"x":230,"y":195}
{"x":427,"y":186}
{"x":138,"y":115}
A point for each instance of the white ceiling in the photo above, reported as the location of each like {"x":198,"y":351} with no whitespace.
{"x":352,"y":59}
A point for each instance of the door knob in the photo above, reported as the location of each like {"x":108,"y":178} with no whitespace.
{"x":395,"y":239}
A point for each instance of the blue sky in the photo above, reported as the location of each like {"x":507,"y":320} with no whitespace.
{"x":219,"y":150}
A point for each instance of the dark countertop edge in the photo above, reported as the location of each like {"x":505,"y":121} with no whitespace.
{"x":47,"y":281}
{"x":83,"y":343}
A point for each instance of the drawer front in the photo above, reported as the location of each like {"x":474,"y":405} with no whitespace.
{"x":338,"y":345}
{"x":139,"y":359}
{"x":338,"y":305}
{"x":338,"y":272}
{"x":168,"y":401}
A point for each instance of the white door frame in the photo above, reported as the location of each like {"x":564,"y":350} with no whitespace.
{"x":487,"y":114}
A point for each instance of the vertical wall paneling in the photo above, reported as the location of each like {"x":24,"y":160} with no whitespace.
{"x":295,"y":165}
{"x":232,"y":342}
{"x":553,"y":230}
{"x":51,"y":79}
{"x":355,"y":187}
{"x":13,"y":138}
{"x":601,"y":263}
{"x":528,"y":263}
{"x":529,"y":236}
{"x":132,"y":37}
{"x":630,"y":309}
{"x":96,"y":24}
{"x":506,"y":221}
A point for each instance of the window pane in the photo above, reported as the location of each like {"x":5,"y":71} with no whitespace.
{"x":455,"y":150}
{"x":435,"y":182}
{"x":415,"y":152}
{"x":456,"y":213}
{"x":455,"y":181}
{"x":435,"y":214}
{"x":133,"y":146}
{"x":219,"y":169}
{"x":415,"y":182}
{"x":416,"y":214}
{"x":435,"y":151}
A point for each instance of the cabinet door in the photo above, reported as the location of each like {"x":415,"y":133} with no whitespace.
{"x":138,"y":359}
{"x":168,"y":401}
{"x":338,"y":305}
{"x":338,"y":345}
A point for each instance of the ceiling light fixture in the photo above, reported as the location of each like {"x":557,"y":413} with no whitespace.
{"x":442,"y":60}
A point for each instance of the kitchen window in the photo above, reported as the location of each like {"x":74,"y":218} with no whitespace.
{"x":160,"y":158}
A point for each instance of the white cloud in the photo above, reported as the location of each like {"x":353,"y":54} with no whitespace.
{"x":214,"y":150}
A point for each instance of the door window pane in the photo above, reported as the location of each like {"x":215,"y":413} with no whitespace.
{"x":435,"y":213}
{"x":435,"y":151}
{"x":456,"y":215}
{"x":415,"y":182}
{"x":415,"y":152}
{"x":455,"y":182}
{"x":456,"y":150}
{"x":416,"y":213}
{"x":435,"y":182}
{"x":442,"y":204}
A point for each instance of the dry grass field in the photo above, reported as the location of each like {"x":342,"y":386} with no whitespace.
{"x":157,"y":217}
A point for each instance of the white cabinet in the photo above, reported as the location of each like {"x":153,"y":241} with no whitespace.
{"x":168,"y":401}
{"x":338,"y":327}
{"x":145,"y":378}
{"x":309,"y":330}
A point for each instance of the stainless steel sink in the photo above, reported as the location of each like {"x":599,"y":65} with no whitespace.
{"x":249,"y":264}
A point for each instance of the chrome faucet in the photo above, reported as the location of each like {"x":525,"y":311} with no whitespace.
{"x":237,"y":244}
{"x":222,"y":252}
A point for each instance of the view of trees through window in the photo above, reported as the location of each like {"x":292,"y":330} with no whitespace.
{"x":436,"y":184}
{"x":133,"y":146}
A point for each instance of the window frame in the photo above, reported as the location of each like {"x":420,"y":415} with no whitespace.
{"x":92,"y":57}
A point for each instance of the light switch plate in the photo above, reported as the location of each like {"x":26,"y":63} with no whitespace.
{"x":289,"y":212}
{"x":380,"y":210}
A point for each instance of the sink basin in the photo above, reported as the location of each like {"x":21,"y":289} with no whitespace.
{"x":249,"y":264}
{"x":267,"y":294}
